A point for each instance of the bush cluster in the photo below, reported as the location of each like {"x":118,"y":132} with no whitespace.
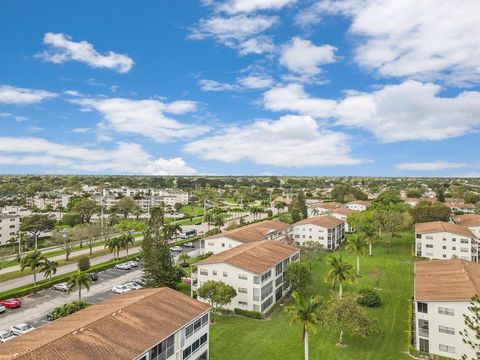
{"x":67,"y":309}
{"x":248,"y":313}
{"x":368,"y":298}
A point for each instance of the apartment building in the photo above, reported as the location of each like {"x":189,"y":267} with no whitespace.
{"x":358,"y":205}
{"x":327,"y":230}
{"x":320,"y":208}
{"x":444,"y":240}
{"x":9,"y":226}
{"x":465,"y":208}
{"x":263,"y":230}
{"x":443,"y":290}
{"x":342,"y":214}
{"x":254,"y":269}
{"x":470,"y":221}
{"x":47,"y":201}
{"x":148,"y":324}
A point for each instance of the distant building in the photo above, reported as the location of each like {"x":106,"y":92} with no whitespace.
{"x":148,"y":324}
{"x":358,"y":205}
{"x":328,"y":231}
{"x":263,"y":230}
{"x":465,"y":208}
{"x":320,"y":208}
{"x":254,"y":269}
{"x":281,"y":199}
{"x":443,"y":290}
{"x":443,"y":240}
{"x":9,"y":226}
{"x":342,"y":214}
{"x":47,"y":201}
{"x":470,"y":221}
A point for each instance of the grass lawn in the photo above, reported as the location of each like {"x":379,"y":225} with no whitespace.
{"x":241,"y":338}
{"x":192,"y":210}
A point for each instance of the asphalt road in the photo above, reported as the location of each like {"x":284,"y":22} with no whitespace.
{"x":35,"y":307}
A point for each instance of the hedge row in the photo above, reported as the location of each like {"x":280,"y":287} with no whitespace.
{"x":248,"y":313}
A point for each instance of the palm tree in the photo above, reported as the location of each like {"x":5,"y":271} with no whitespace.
{"x":114,"y":245}
{"x":356,"y":245}
{"x":125,"y":241}
{"x":340,"y":273}
{"x":172,"y":229}
{"x":307,"y":312}
{"x":315,"y":212}
{"x":219,"y":221}
{"x":34,"y":261}
{"x":49,"y":268}
{"x":78,"y":280}
{"x":208,"y":218}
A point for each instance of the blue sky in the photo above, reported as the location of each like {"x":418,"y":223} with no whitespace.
{"x":252,"y":87}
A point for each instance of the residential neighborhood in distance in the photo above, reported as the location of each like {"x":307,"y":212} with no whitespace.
{"x":240,"y":180}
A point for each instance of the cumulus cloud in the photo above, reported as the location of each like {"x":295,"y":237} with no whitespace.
{"x":248,"y":6}
{"x":303,"y":57}
{"x":12,"y":95}
{"x":241,"y":32}
{"x":255,"y":82}
{"x":291,"y":141}
{"x":250,"y":82}
{"x":124,"y":158}
{"x":62,"y":48}
{"x":212,"y":85}
{"x":408,"y":111}
{"x":426,"y":40}
{"x":429,"y":166}
{"x":148,"y":118}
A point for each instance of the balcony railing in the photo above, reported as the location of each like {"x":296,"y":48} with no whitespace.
{"x":423,"y":332}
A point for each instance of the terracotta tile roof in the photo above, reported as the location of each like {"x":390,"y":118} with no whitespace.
{"x":327,"y":205}
{"x":285,"y":200}
{"x":442,"y":226}
{"x":328,"y":221}
{"x":253,"y":232}
{"x":119,"y":328}
{"x":446,"y":280}
{"x":462,"y":206}
{"x":360,"y":202}
{"x":343,"y":211}
{"x":468,"y":220}
{"x":255,"y":257}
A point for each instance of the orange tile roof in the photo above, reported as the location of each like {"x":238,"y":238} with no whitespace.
{"x":446,"y":280}
{"x":442,"y":226}
{"x":328,"y":221}
{"x":119,"y":328}
{"x":462,"y":206}
{"x":343,"y":211}
{"x":468,"y":220}
{"x":253,"y":232}
{"x":256,"y":257}
{"x":360,"y":202}
{"x":327,"y":205}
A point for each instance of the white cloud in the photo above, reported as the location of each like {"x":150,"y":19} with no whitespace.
{"x":212,"y":85}
{"x":20,"y":118}
{"x":5,"y":114}
{"x":291,"y":141}
{"x":424,"y":40}
{"x":22,"y":96}
{"x":125,"y":158}
{"x":255,"y":82}
{"x":145,"y":117}
{"x":248,"y":6}
{"x":241,"y":32}
{"x":82,"y":130}
{"x":408,"y":111}
{"x":251,"y":82}
{"x":303,"y":57}
{"x":63,"y":48}
{"x":429,"y":166}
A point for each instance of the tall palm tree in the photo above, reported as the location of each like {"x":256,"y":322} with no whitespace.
{"x":315,"y":211}
{"x":219,"y":221}
{"x":306,"y":311}
{"x":114,"y":245}
{"x":49,"y":268}
{"x":126,"y":240}
{"x":171,"y":229}
{"x":79,"y":280}
{"x":340,"y":273}
{"x":34,"y":261}
{"x":356,"y":245}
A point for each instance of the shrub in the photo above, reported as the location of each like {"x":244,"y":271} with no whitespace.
{"x":248,"y":313}
{"x":83,"y":263}
{"x":368,"y":298}
{"x":67,"y":309}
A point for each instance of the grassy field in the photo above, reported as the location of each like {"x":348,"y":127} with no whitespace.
{"x":241,"y":338}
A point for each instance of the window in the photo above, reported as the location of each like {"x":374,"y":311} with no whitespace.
{"x":278,"y":269}
{"x":223,"y":244}
{"x":423,"y":329}
{"x":242,"y":303}
{"x":242,"y":290}
{"x":225,"y":274}
{"x":256,"y":280}
{"x":295,"y":257}
{"x":419,"y":236}
{"x":279,"y":281}
{"x":205,"y":320}
{"x":203,"y":339}
{"x":214,"y":272}
{"x":422,"y":307}
{"x":423,"y":345}
{"x":446,"y":348}
{"x":464,"y":249}
{"x":242,"y":277}
{"x":203,"y":272}
{"x":444,"y":256}
{"x":195,"y":346}
{"x":188,"y":331}
{"x":454,"y":248}
{"x":267,"y":303}
{"x":446,"y":330}
{"x":266,"y":276}
{"x":211,"y":244}
{"x":446,"y":311}
{"x":444,"y":247}
{"x":187,"y":352}
{"x":430,"y":246}
{"x":464,"y":241}
{"x":197,"y":324}
{"x":453,"y":239}
{"x":267,"y":290}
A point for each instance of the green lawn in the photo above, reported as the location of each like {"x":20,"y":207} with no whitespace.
{"x":241,"y":338}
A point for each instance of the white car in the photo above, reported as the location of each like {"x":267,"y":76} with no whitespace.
{"x":124,"y":266}
{"x":2,"y":309}
{"x":189,"y":245}
{"x":176,"y":249}
{"x":5,"y":336}
{"x":133,"y":286}
{"x":120,"y":289}
{"x":132,"y":263}
{"x":61,"y":287}
{"x":21,"y":329}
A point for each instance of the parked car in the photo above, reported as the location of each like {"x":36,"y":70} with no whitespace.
{"x":198,"y":223}
{"x":133,"y":285}
{"x":140,"y":282}
{"x":132,"y":263}
{"x":120,"y":289}
{"x":93,"y":276}
{"x":2,"y":309}
{"x":21,"y":329}
{"x":189,"y":245}
{"x":11,"y":303}
{"x":124,"y":266}
{"x":50,"y":316}
{"x":60,"y":287}
{"x":6,"y":335}
{"x":176,"y":249}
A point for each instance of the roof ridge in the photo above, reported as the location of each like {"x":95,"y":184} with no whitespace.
{"x":470,"y":277}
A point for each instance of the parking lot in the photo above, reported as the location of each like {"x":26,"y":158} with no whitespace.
{"x":35,"y":307}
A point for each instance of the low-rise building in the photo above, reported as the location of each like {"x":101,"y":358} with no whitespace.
{"x":254,"y":269}
{"x":320,"y":208}
{"x":263,"y":230}
{"x":9,"y":226}
{"x":358,"y":205}
{"x":342,"y":214}
{"x":444,"y":240}
{"x":148,"y":324}
{"x":443,"y":290}
{"x":470,"y":221}
{"x":465,"y":208}
{"x":327,"y":230}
